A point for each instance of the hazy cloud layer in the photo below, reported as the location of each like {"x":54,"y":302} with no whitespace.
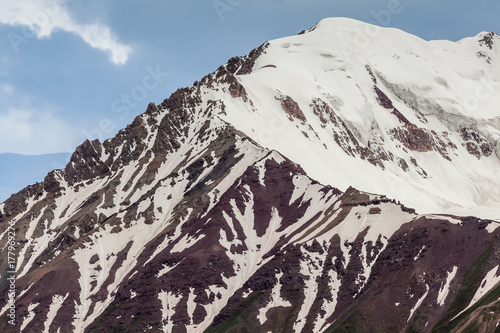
{"x":31,"y":132}
{"x":44,"y":17}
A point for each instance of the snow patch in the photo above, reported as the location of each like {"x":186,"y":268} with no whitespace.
{"x":329,"y":306}
{"x":166,"y":269}
{"x":186,"y":242}
{"x":419,"y":252}
{"x":488,"y":283}
{"x":30,"y":315}
{"x":492,"y":226}
{"x":419,"y":302}
{"x":168,"y":301}
{"x":57,"y":302}
{"x":444,"y":217}
{"x":276,"y":301}
{"x":191,"y":304}
{"x":246,"y":293}
{"x":312,"y":267}
{"x":444,"y":290}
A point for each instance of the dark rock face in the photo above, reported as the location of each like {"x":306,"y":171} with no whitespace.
{"x":243,"y":66}
{"x":423,"y":140}
{"x":487,"y":40}
{"x":346,"y":139}
{"x":476,"y":143}
{"x":291,"y":108}
{"x":415,"y":138}
{"x":387,"y":103}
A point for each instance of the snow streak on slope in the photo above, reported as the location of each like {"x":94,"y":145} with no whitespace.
{"x":57,"y":302}
{"x":329,"y":305}
{"x":30,"y":316}
{"x":419,"y":302}
{"x":490,"y":281}
{"x":445,"y":289}
{"x":169,"y":302}
{"x":312,"y":268}
{"x":275,"y":301}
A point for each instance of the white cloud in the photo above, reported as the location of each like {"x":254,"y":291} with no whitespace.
{"x":33,"y":133}
{"x":7,"y":89}
{"x":43,"y":17}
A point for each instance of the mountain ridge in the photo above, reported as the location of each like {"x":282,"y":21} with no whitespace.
{"x":202,"y":214}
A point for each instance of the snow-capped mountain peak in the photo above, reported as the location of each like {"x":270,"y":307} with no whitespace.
{"x":393,"y":114}
{"x":297,"y":188}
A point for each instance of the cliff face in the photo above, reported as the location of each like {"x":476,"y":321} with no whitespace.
{"x":246,"y":202}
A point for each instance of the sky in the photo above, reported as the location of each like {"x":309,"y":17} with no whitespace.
{"x":72,"y":70}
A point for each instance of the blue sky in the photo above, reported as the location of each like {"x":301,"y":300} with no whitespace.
{"x":72,"y":70}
